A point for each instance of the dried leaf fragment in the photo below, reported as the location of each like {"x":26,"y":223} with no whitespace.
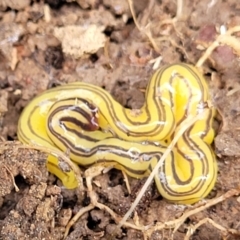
{"x":80,"y":40}
{"x":10,"y":33}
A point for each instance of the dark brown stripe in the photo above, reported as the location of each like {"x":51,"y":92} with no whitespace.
{"x":92,"y":119}
{"x":31,"y":128}
{"x":79,"y":134}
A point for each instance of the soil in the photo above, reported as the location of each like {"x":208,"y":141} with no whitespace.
{"x":49,"y":43}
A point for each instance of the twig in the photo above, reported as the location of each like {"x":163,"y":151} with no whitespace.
{"x":224,"y":230}
{"x":145,"y":29}
{"x":176,"y":223}
{"x":13,"y":180}
{"x":225,"y":38}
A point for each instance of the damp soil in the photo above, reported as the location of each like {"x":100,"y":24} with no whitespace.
{"x":36,"y":54}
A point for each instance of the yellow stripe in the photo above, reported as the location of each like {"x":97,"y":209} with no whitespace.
{"x":86,"y":120}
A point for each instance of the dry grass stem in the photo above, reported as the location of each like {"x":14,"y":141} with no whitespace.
{"x":12,"y":177}
{"x":61,"y":157}
{"x":146,"y":29}
{"x":224,"y":38}
{"x":176,"y":223}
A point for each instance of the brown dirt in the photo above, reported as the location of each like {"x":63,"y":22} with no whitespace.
{"x":32,"y":59}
